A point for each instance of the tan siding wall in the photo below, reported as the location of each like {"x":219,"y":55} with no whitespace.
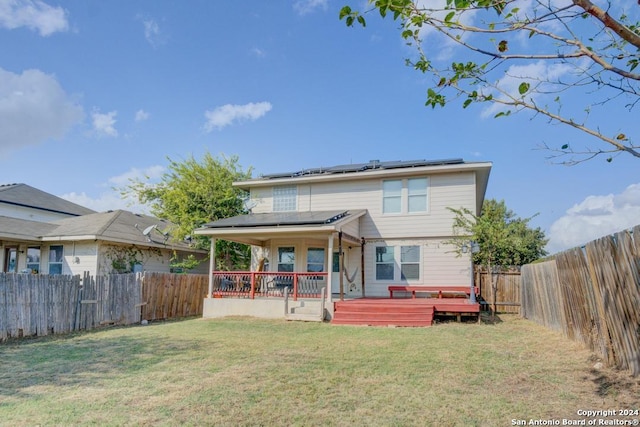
{"x":439,"y":266}
{"x":453,"y":190}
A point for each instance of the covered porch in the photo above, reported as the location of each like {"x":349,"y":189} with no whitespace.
{"x":297,"y":259}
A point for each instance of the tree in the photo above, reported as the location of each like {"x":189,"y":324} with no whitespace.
{"x":504,"y":239}
{"x":526,"y":56}
{"x":192,"y":193}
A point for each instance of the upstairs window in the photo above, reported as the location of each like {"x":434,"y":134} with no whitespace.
{"x":285,"y":198}
{"x":392,"y":196}
{"x":417,"y":195}
{"x":405,"y":195}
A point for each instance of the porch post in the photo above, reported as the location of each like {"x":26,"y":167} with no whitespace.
{"x":362,"y":265}
{"x":341,"y":268}
{"x":212,"y":265}
{"x":329,"y":267}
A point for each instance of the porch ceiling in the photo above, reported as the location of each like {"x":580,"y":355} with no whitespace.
{"x":255,"y":229}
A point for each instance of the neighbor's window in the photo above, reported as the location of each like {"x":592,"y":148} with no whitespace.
{"x":33,"y":260}
{"x":392,"y":196}
{"x":410,"y":262}
{"x":417,"y":194}
{"x":286,"y":259}
{"x":385,"y":263}
{"x":315,"y":260}
{"x":284,"y":198}
{"x":56,"y":255}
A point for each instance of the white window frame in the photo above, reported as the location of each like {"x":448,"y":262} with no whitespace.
{"x":416,"y":193}
{"x":391,"y":195}
{"x":285,"y":198}
{"x":34,"y":265}
{"x":398,"y":194}
{"x":398,"y":262}
{"x":56,"y":262}
{"x":317,"y":264}
{"x":279,"y":261}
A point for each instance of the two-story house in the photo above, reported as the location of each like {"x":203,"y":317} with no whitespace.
{"x":354,"y":229}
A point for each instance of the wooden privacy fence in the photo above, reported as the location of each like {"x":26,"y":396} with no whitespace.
{"x":38,"y":305}
{"x":591,"y":295}
{"x":507,"y":290}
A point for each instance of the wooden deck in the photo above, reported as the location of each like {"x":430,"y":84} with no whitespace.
{"x":401,"y":311}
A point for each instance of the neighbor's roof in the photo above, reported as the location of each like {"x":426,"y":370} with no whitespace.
{"x":22,"y":229}
{"x":27,"y":196}
{"x":117,"y":226}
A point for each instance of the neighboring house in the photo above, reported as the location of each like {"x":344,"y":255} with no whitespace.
{"x":391,"y":220}
{"x":42,"y":233}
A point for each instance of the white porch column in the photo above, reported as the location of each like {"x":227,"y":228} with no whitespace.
{"x":329,"y":267}
{"x":212,"y":266}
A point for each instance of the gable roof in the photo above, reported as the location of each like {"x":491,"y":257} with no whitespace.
{"x":27,"y":196}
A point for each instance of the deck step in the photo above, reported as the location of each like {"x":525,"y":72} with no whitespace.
{"x":382,"y":313}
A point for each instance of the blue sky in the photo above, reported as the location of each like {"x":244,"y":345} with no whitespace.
{"x":94,"y":92}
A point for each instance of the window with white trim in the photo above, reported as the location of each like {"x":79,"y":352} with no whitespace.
{"x":385,"y":263}
{"x":286,"y":259}
{"x":409,"y":263}
{"x":392,"y":196}
{"x":398,"y":265}
{"x":285,"y":198}
{"x":417,"y":195}
{"x":33,"y":259}
{"x":405,"y":195}
{"x":56,"y":256}
{"x":315,"y":260}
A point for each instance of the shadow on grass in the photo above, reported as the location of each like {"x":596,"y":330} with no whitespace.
{"x":81,"y":359}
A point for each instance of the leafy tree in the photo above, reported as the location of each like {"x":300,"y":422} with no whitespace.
{"x":192,"y":193}
{"x":504,"y":239}
{"x":526,"y":56}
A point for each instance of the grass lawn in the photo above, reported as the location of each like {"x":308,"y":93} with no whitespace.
{"x":239,"y":371}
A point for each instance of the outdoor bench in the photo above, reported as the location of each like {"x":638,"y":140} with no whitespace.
{"x":441,"y":291}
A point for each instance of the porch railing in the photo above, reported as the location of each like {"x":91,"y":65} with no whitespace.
{"x":251,"y":284}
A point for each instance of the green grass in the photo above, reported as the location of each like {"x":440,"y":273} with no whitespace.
{"x":239,"y":371}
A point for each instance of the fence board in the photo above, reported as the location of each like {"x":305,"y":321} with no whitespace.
{"x":597,"y":300}
{"x":508,"y":290}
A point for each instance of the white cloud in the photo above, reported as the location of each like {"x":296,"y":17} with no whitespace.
{"x":228,"y":114}
{"x":258,"y":52}
{"x":141,"y":115}
{"x":531,"y":73}
{"x":152,"y":173}
{"x":103,"y":124}
{"x":152,"y":32}
{"x":304,"y":7}
{"x":111,"y":199}
{"x":594,"y":217}
{"x":33,"y":14}
{"x":33,"y":109}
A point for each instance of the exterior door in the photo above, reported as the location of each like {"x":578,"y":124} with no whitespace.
{"x":335,"y":273}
